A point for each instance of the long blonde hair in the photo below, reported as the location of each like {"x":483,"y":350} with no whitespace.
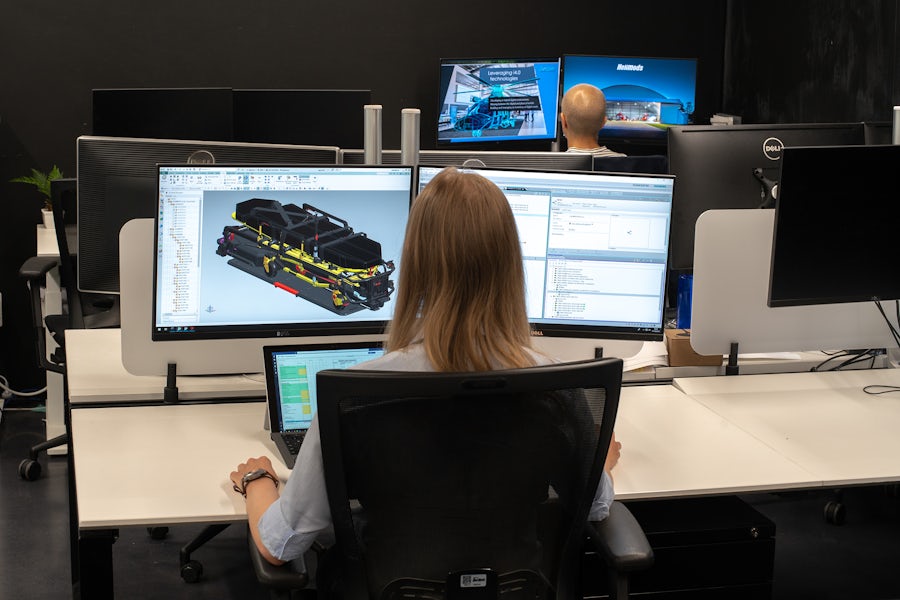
{"x":461,"y":289}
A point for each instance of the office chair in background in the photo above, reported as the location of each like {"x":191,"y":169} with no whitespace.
{"x":79,"y":311}
{"x":471,"y":485}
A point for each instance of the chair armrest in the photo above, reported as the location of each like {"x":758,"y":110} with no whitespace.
{"x":276,"y":577}
{"x":621,"y":540}
{"x":36,"y":267}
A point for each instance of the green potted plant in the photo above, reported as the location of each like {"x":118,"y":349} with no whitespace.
{"x":41,"y":181}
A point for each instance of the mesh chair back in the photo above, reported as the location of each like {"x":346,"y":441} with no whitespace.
{"x":461,"y":471}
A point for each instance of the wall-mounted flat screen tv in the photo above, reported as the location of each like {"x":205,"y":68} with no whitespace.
{"x":498,"y":101}
{"x":644,"y":95}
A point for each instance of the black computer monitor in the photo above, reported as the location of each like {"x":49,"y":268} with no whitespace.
{"x":734,"y":166}
{"x":879,"y":132}
{"x":510,"y":101}
{"x":277,"y":250}
{"x":301,"y":116}
{"x":165,"y":113}
{"x":836,"y":218}
{"x":644,"y":95}
{"x":117,"y":182}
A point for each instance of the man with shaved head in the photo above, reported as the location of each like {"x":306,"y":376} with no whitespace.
{"x":583,"y":114}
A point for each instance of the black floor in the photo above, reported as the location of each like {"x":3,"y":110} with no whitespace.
{"x":859,"y":560}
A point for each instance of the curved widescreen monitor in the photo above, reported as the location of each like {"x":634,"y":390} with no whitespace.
{"x":644,"y":95}
{"x":117,"y":183}
{"x":836,"y":217}
{"x":498,"y":100}
{"x":734,"y":166}
{"x":277,"y":250}
{"x":594,"y":246}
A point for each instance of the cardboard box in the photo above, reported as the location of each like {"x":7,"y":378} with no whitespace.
{"x":681,"y":354}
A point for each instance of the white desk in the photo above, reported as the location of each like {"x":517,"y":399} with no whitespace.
{"x":823,"y":422}
{"x":673,"y":446}
{"x":701,"y":436}
{"x":96,"y":375}
{"x":185,"y":453}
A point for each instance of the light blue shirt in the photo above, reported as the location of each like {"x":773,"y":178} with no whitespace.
{"x":294,"y":521}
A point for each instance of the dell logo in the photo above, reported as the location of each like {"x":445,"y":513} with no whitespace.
{"x":772,"y":148}
{"x":201,"y":157}
{"x":282,"y":334}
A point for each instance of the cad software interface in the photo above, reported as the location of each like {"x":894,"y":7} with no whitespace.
{"x":246,"y":246}
{"x":594,"y":245}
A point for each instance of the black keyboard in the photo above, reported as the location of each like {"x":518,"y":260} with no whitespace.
{"x":293,"y":441}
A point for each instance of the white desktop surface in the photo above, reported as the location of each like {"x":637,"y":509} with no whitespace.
{"x":159,"y":465}
{"x":824,"y":422}
{"x":674,"y":447}
{"x":96,"y":375}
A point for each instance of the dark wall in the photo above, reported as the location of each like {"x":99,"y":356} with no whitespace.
{"x":809,"y":61}
{"x":63,"y":49}
{"x":766,"y":60}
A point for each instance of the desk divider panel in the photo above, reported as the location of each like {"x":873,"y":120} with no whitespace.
{"x":732,"y":254}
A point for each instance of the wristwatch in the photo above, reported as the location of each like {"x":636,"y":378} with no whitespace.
{"x":253,"y":476}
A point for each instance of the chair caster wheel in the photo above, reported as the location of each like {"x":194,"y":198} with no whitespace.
{"x":835,"y":513}
{"x":29,"y":469}
{"x":158,"y":533}
{"x":191,"y":571}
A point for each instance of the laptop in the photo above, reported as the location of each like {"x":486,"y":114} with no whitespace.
{"x":290,"y":372}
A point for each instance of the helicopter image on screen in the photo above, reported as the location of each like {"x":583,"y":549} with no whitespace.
{"x":308,"y":253}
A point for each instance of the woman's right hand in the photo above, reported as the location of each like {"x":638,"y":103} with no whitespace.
{"x":613,"y":454}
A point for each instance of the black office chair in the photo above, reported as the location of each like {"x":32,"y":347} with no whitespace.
{"x":79,"y":311}
{"x":649,"y":163}
{"x":471,"y":485}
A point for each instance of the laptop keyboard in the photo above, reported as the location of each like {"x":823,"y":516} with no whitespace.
{"x":293,"y":441}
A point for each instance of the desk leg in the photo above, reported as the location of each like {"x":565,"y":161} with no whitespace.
{"x":95,"y":564}
{"x":53,"y":305}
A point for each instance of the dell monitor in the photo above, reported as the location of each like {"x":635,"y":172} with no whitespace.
{"x":835,"y":233}
{"x":117,"y":182}
{"x":734,"y":166}
{"x":277,"y":251}
{"x":300,"y":116}
{"x":498,"y":101}
{"x":594,"y":247}
{"x":165,"y":113}
{"x":644,"y":95}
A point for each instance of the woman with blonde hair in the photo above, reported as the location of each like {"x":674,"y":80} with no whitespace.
{"x":460,"y":307}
